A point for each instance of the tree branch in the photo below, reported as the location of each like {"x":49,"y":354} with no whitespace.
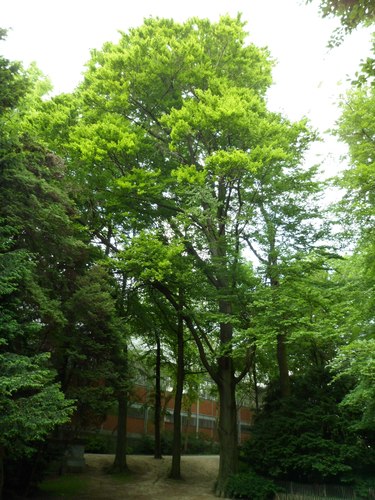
{"x":170,"y":297}
{"x":250,"y":354}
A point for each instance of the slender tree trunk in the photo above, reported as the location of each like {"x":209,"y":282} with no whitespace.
{"x":120,"y":464}
{"x":120,"y":384}
{"x":157,"y":417}
{"x":176,"y":450}
{"x":187,"y":426}
{"x":256,"y":389}
{"x":282,"y":360}
{"x":281,"y":352}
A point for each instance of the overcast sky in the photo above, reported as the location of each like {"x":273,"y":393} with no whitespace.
{"x":309,"y":78}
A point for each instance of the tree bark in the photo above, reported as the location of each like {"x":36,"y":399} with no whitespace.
{"x":187,"y":426}
{"x":176,"y":449}
{"x":157,"y":417}
{"x":228,"y":432}
{"x":281,"y":350}
{"x":120,"y":464}
{"x":256,"y":388}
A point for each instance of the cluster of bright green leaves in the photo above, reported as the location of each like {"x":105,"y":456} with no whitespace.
{"x":149,"y":258}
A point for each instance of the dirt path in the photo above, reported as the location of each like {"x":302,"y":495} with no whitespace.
{"x":149,"y":479}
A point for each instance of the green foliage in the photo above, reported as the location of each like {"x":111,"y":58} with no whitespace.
{"x":32,"y":405}
{"x":184,"y":168}
{"x":200,"y":445}
{"x":97,"y":443}
{"x":93,"y":347}
{"x":149,"y":258}
{"x":250,"y":486}
{"x":31,"y":402}
{"x":351,"y":14}
{"x":356,"y":127}
{"x":67,"y":486}
{"x":365,"y":487}
{"x":177,"y":167}
{"x":13,"y":82}
{"x":357,"y":360}
{"x":308,"y":437}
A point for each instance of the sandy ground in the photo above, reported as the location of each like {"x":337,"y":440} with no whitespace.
{"x":149,"y":480}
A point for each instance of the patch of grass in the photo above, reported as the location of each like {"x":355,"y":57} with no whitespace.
{"x":68,"y":485}
{"x":121,"y":477}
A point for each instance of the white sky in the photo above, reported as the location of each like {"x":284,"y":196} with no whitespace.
{"x":58,"y":36}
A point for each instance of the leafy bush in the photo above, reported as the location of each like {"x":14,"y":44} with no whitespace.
{"x":145,"y":446}
{"x":96,"y":444}
{"x":308,"y":437}
{"x":200,"y":445}
{"x":166,"y":443}
{"x":365,"y":488}
{"x":250,"y":486}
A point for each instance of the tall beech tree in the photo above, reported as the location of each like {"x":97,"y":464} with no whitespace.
{"x":174,"y":137}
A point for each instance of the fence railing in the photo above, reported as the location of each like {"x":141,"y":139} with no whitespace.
{"x":300,"y":491}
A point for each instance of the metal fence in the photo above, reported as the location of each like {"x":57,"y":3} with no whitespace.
{"x":300,"y":491}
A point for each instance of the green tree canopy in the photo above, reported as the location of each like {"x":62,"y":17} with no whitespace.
{"x":185,"y":166}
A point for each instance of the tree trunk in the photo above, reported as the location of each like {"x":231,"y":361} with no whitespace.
{"x":157,"y":417}
{"x":228,"y":432}
{"x":282,"y":360}
{"x":281,"y":352}
{"x":187,"y":426}
{"x":176,"y":449}
{"x":119,"y":464}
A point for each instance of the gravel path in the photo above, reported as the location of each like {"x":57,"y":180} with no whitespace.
{"x":149,"y":480}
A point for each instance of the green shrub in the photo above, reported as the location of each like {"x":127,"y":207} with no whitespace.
{"x":146,"y":445}
{"x":96,"y":444}
{"x":166,"y":443}
{"x":308,"y":437}
{"x":365,"y":488}
{"x":201,"y":445}
{"x":250,"y":486}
